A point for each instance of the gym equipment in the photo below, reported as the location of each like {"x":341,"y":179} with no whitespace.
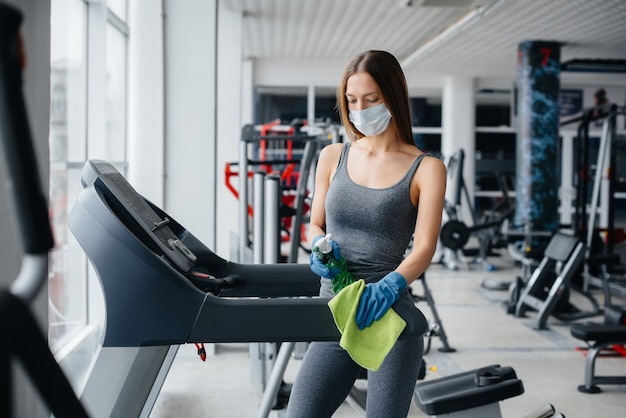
{"x":290,"y":148}
{"x":436,"y":329}
{"x":599,"y":337}
{"x":453,"y":257}
{"x":605,"y":168}
{"x":605,"y":270}
{"x":20,"y":335}
{"x":455,"y":233}
{"x":475,"y":393}
{"x":589,"y":212}
{"x":162,"y":287}
{"x":606,"y":163}
{"x":114,"y":224}
{"x":563,"y":257}
{"x":583,"y":172}
{"x":613,"y":314}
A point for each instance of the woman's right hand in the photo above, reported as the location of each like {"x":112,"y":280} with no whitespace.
{"x":317,"y":266}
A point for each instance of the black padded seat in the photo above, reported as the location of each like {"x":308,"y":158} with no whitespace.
{"x":599,"y":337}
{"x":467,"y":390}
{"x":600,"y":334}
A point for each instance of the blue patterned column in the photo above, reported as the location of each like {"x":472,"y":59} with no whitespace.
{"x":538,"y":73}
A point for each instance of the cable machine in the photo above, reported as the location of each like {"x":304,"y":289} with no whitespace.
{"x":289,"y":152}
{"x":455,"y":233}
{"x":578,"y":252}
{"x":606,"y":172}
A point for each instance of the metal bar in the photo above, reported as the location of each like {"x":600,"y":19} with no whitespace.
{"x":272,"y":219}
{"x":258,"y":218}
{"x":243,"y":199}
{"x":310,"y":148}
{"x":597,"y":181}
{"x":440,"y":330}
{"x":275,"y":379}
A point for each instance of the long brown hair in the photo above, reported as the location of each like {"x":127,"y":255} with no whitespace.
{"x":385,"y":69}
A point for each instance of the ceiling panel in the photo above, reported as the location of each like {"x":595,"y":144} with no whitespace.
{"x":484,"y":45}
{"x":488,"y":45}
{"x":337,"y":28}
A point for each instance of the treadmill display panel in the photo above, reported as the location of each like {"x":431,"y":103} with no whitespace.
{"x":138,"y":215}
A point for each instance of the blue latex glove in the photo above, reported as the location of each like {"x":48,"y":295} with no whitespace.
{"x":317,"y":266}
{"x":378,"y":297}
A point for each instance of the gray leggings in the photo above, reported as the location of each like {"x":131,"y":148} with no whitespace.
{"x":328,"y":373}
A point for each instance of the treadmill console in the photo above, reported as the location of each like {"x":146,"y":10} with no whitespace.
{"x":137,"y":214}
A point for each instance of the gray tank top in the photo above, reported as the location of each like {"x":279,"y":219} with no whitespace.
{"x":373,"y":227}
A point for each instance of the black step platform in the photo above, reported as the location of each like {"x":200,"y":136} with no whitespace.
{"x":468,"y":390}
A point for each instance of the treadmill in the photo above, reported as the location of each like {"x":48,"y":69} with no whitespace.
{"x":162,"y":287}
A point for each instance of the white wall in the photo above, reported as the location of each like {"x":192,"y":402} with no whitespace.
{"x":303,"y":72}
{"x":181,"y":137}
{"x":190,"y":115}
{"x":229,"y":124}
{"x":146,"y":99}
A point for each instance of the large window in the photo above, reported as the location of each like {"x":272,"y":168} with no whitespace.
{"x":83,"y":36}
{"x":494,"y":148}
{"x":116,"y":35}
{"x":68,"y":144}
{"x":326,"y":104}
{"x":426,"y":122}
{"x":495,"y":141}
{"x":284,"y":103}
{"x":291,"y":103}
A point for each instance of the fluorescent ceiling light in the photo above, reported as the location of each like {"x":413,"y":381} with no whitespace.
{"x":594,"y":65}
{"x":451,"y":31}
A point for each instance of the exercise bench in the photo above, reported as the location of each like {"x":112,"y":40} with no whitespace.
{"x":565,"y":254}
{"x":599,"y":337}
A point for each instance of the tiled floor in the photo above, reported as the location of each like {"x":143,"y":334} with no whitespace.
{"x":477,"y":326}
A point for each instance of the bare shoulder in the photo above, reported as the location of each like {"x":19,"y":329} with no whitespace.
{"x":429,"y":180}
{"x":431,"y":170}
{"x":330,"y":154}
{"x":433,"y":163}
{"x":332,"y":149}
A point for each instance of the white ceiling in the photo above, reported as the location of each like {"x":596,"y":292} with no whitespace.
{"x":482,"y":46}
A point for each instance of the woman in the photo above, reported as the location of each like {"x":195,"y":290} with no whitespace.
{"x":368,"y":193}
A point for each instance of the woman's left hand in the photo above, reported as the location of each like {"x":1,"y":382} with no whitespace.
{"x":378,"y":297}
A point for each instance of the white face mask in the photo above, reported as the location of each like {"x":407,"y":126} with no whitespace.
{"x":371,"y":121}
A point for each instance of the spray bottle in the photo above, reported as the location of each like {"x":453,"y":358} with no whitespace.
{"x":324,"y":252}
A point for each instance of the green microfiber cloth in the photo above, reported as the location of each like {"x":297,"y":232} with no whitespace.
{"x":369,"y":346}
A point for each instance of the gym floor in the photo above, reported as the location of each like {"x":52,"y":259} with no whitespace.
{"x":550,"y":363}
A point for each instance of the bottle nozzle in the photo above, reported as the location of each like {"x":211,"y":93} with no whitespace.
{"x":323,"y":245}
